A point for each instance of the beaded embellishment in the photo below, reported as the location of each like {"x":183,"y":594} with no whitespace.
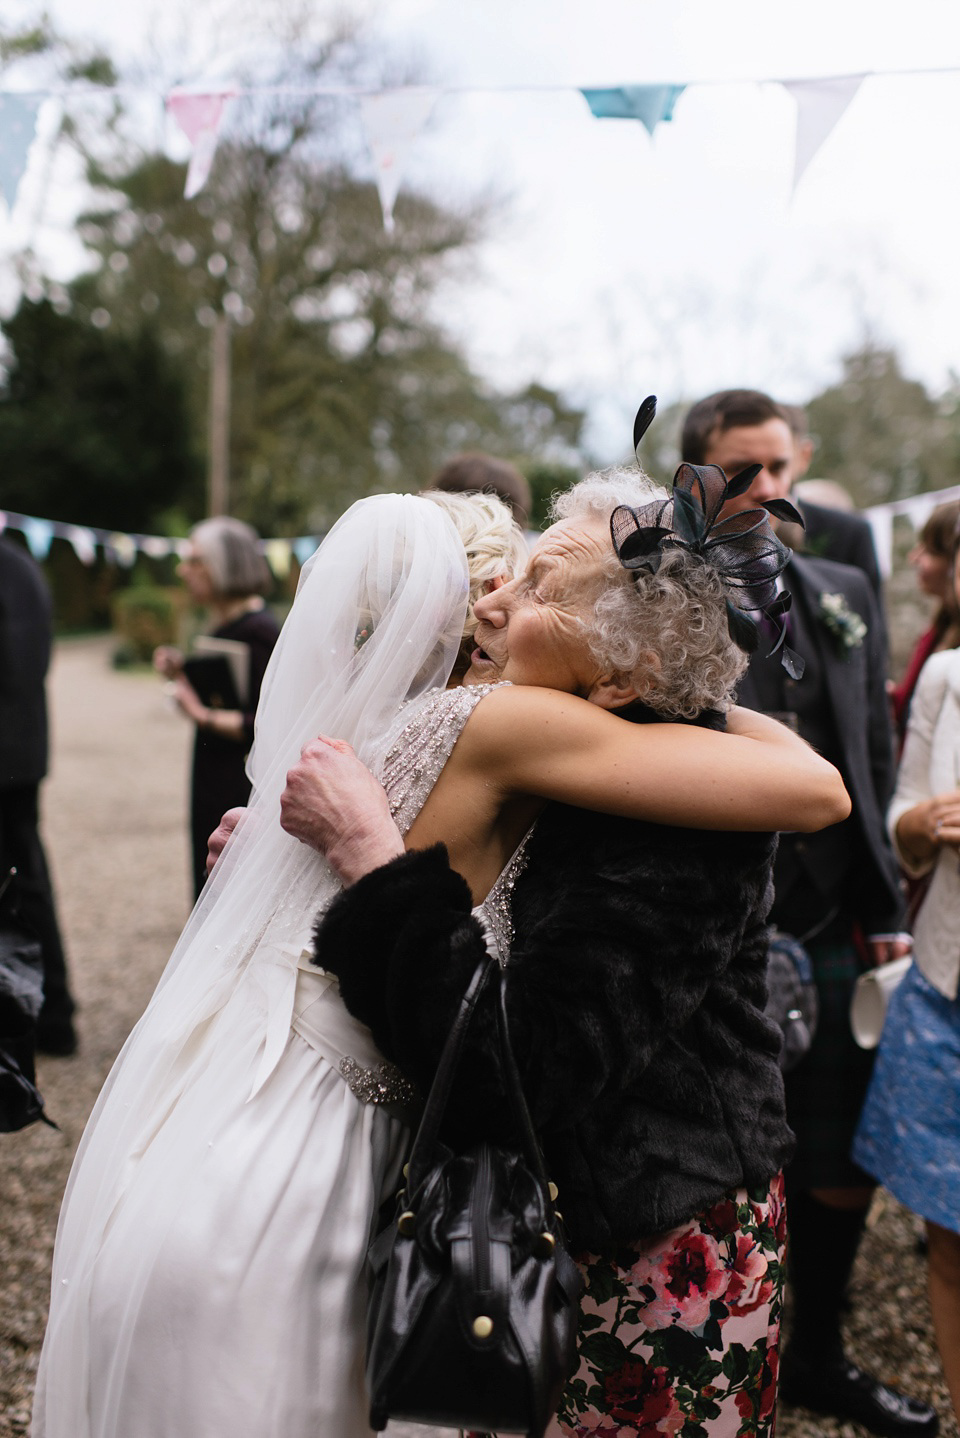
{"x":424,"y":744}
{"x":496,"y":911}
{"x":385,"y":1084}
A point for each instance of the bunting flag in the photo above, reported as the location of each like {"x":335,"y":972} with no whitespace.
{"x":39,"y":536}
{"x":392,"y":122}
{"x":279,"y":553}
{"x":304,"y":548}
{"x":84,"y":542}
{"x":650,"y":104}
{"x":880,"y":520}
{"x":18,"y":125}
{"x":820,"y":104}
{"x":199,"y":117}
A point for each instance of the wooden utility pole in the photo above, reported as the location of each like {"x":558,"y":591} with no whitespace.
{"x":218,"y":489}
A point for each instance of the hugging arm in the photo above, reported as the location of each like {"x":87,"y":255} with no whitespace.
{"x":756,"y":777}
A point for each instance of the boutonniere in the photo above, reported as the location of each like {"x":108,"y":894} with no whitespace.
{"x":844,"y":623}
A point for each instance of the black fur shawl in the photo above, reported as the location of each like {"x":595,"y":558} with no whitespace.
{"x":636,"y":992}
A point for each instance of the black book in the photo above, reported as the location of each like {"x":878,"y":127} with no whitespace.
{"x":212,"y":677}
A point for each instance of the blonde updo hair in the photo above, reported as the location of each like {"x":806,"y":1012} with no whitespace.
{"x":493,"y":540}
{"x":667,"y":632}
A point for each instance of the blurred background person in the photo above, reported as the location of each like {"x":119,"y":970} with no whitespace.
{"x":831,"y":530}
{"x":26,"y":635}
{"x":909,"y":1133}
{"x":478,"y":473}
{"x":226,"y":573}
{"x":932,"y":560}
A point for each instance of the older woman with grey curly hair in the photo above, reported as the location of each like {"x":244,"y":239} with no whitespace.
{"x":636,"y":966}
{"x":225,"y":572}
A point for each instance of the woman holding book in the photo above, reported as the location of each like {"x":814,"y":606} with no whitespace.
{"x":225,"y":572}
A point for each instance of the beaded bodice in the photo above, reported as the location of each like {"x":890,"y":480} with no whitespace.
{"x":421,"y":744}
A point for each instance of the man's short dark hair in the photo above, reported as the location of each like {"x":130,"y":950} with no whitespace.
{"x":473,"y":473}
{"x":727,"y":409}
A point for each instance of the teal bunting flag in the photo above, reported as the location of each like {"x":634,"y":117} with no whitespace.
{"x":650,"y":104}
{"x":39,"y":537}
{"x":18,"y":123}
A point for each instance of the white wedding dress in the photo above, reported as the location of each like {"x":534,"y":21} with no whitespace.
{"x":208,"y":1278}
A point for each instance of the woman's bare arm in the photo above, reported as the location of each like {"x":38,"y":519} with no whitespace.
{"x":757,"y":776}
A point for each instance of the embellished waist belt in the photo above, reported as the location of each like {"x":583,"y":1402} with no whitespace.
{"x":323,"y":1021}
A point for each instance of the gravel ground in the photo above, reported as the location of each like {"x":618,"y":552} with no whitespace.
{"x":114,"y":822}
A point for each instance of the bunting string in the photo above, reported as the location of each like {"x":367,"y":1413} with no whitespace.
{"x":392,"y":119}
{"x":122,"y":549}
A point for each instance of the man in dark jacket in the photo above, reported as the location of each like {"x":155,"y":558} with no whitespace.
{"x":837,"y":891}
{"x":25,"y":639}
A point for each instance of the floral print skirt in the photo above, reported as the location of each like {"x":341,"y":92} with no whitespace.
{"x":680,"y":1333}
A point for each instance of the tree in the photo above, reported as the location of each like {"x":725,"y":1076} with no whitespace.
{"x":343,"y":381}
{"x":882,"y":435}
{"x":93,"y":426}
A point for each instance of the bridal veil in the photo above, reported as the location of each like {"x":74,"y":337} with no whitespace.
{"x":377,"y":620}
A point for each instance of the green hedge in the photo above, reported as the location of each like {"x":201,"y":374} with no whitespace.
{"x":144,"y":616}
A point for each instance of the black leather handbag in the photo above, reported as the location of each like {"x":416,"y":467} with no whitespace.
{"x":472,"y":1320}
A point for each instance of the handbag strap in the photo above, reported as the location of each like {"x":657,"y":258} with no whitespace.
{"x":422,"y":1153}
{"x":518,"y":1101}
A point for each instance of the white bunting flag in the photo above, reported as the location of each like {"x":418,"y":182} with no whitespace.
{"x":391,"y":123}
{"x":880,"y":519}
{"x":199,"y":117}
{"x":18,"y":125}
{"x":84,"y":542}
{"x":820,"y":104}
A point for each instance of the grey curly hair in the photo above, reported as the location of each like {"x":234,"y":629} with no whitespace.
{"x":665,"y":632}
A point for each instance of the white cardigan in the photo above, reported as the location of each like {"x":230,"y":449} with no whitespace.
{"x":931,"y":765}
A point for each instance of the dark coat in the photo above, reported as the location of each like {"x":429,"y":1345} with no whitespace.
{"x":844,"y":538}
{"x":26,"y":630}
{"x":635,"y":988}
{"x":856,"y":708}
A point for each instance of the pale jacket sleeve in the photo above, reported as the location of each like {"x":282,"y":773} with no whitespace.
{"x":913,"y":778}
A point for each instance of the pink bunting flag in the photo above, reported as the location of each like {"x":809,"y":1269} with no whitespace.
{"x":199,"y":117}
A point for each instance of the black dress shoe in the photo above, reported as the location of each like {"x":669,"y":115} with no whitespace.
{"x":836,"y":1387}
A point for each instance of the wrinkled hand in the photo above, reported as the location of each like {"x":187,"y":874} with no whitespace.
{"x":333,"y":803}
{"x":218,"y":839}
{"x":884,"y":948}
{"x":168,"y":661}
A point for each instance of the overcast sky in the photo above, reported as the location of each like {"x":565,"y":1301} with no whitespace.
{"x":621,"y":265}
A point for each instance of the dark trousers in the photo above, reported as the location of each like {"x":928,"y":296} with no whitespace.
{"x":20,"y":847}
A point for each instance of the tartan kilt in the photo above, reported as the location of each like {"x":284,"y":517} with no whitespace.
{"x":826,"y":1090}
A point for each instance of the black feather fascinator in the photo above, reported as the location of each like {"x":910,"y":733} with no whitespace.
{"x":742,"y":548}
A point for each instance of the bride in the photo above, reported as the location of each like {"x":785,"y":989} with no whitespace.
{"x":207,"y":1273}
